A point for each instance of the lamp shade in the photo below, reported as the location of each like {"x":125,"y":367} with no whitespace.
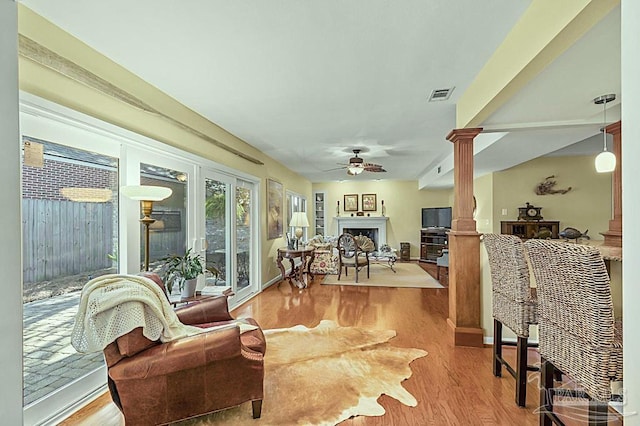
{"x":299,"y":220}
{"x":146,"y":192}
{"x":605,"y":162}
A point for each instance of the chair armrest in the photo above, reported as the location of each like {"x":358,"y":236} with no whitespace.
{"x":205,"y":311}
{"x":183,"y":354}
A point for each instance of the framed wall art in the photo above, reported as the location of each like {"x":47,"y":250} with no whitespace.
{"x":351,"y":202}
{"x":275,"y":217}
{"x":369,"y":203}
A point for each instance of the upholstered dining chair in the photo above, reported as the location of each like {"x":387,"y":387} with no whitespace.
{"x":578,"y":333}
{"x":514,"y":306}
{"x":442,"y":262}
{"x":157,"y":383}
{"x":351,"y":255}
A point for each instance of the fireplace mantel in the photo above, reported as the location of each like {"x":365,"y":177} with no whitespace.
{"x":379,"y":222}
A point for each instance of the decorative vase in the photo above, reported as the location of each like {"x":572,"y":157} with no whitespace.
{"x":338,"y":209}
{"x":189,"y":288}
{"x":383,"y":209}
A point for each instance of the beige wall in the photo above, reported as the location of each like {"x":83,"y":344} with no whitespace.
{"x":586,"y":206}
{"x":51,"y":85}
{"x":402,"y":199}
{"x":483,"y":191}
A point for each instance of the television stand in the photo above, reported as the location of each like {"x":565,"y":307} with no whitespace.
{"x":432,"y":242}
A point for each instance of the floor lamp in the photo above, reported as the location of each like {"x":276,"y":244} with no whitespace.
{"x":146,"y":194}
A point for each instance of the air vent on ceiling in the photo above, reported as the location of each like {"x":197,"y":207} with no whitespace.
{"x":440,"y":94}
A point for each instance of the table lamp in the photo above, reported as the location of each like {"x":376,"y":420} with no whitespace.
{"x":299,"y":221}
{"x":146,"y":194}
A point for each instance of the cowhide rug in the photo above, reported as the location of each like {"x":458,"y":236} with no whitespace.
{"x":324,"y":375}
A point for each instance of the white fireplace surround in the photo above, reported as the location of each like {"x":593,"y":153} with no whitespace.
{"x":364,"y":222}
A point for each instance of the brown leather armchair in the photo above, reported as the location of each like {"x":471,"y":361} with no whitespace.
{"x":157,"y":383}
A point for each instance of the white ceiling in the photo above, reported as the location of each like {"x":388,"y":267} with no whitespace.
{"x":307,"y":81}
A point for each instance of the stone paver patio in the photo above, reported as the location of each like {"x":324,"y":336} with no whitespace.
{"x":49,"y":360}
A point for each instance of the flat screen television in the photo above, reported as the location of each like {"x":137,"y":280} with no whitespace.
{"x":436,"y":217}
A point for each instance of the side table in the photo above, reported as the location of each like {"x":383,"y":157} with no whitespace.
{"x":198,"y":297}
{"x":306,"y":255}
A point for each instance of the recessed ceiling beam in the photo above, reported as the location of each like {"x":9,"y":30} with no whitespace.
{"x":545,"y":31}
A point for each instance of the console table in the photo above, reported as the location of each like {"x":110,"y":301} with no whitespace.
{"x":305,"y":254}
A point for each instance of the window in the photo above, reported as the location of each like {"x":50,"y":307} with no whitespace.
{"x":296,"y":203}
{"x":70,"y":235}
{"x":75,"y":229}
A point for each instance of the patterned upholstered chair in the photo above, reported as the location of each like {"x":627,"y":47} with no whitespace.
{"x":353,"y":255}
{"x":514,"y":305}
{"x":578,"y":333}
{"x":325,"y":260}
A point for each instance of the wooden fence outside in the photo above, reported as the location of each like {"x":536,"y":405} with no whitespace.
{"x":63,"y":238}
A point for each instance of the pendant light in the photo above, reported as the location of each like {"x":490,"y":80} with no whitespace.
{"x":605,"y":161}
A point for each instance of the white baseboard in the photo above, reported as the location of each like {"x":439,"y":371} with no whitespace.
{"x":273,"y":281}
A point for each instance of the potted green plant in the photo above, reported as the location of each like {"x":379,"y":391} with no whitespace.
{"x":185,"y":270}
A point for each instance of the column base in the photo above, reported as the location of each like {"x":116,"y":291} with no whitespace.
{"x":466,"y":336}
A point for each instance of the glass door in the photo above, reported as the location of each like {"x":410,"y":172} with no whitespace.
{"x":70,"y":228}
{"x":174,"y":230}
{"x":228,"y":247}
{"x":245,"y":279}
{"x":217,"y":211}
{"x":168,"y":234}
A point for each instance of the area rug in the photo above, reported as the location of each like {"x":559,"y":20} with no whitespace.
{"x":408,"y":275}
{"x":324,"y":375}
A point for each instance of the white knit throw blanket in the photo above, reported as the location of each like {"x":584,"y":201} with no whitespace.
{"x":113,"y":305}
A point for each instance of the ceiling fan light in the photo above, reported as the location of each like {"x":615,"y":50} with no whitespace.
{"x":355,"y":169}
{"x":605,"y":162}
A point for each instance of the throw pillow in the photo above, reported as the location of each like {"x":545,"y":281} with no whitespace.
{"x":324,"y":262}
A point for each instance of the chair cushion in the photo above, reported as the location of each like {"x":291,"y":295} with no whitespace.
{"x":350,"y":261}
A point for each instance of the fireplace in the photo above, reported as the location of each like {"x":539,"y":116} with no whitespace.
{"x":373,"y":227}
{"x":372,"y":233}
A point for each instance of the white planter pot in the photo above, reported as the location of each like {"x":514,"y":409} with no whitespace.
{"x":189,"y":288}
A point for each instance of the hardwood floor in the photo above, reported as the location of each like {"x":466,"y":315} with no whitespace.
{"x":453,"y":385}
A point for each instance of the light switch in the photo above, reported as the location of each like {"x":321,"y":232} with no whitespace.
{"x":504,"y":212}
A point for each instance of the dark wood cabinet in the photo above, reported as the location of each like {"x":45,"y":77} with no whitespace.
{"x":405,"y":252}
{"x":432,"y":241}
{"x":529,"y":229}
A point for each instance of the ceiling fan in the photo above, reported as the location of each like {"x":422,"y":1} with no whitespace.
{"x":357,"y":165}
